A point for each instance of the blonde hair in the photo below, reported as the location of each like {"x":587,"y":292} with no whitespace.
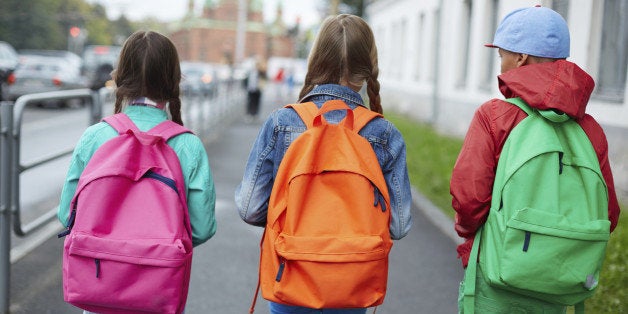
{"x":344,"y":52}
{"x":148,"y":66}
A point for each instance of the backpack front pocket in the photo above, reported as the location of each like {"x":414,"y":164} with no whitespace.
{"x":315,"y":269}
{"x":146,"y":274}
{"x":543,"y":252}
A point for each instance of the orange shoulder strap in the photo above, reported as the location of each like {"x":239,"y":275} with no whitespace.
{"x":306,"y":111}
{"x":362,"y":116}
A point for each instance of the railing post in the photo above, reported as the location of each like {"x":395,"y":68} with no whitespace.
{"x":6,"y":132}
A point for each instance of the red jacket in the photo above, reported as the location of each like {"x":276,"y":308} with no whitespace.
{"x":560,"y":85}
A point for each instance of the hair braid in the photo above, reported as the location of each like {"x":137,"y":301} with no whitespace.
{"x":174,"y":106}
{"x":373,"y":92}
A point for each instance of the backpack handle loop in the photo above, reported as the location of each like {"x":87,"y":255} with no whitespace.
{"x":331,"y":105}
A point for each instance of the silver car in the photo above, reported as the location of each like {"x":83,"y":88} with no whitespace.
{"x":37,"y":74}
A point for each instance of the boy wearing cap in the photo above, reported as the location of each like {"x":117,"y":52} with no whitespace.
{"x":533,"y":44}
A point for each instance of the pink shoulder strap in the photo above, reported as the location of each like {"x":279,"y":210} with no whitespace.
{"x":166,"y":129}
{"x":121,"y":123}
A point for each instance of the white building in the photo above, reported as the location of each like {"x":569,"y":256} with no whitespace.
{"x":423,"y":59}
{"x":434,"y":66}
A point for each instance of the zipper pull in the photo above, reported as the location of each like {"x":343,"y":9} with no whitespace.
{"x":526,"y":241}
{"x":97,"y":261}
{"x":70,"y":225}
{"x":379,"y":199}
{"x":282,"y":265}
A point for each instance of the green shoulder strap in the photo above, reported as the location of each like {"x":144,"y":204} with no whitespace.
{"x":470,"y":274}
{"x":547,"y":114}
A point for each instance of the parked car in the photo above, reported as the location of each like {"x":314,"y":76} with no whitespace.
{"x":37,"y":74}
{"x":98,"y":62}
{"x":75,"y":59}
{"x":197,"y":79}
{"x":8,"y":63}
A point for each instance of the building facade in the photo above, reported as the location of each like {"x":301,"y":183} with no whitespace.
{"x":435,"y":49}
{"x":434,"y":66}
{"x":212,"y":35}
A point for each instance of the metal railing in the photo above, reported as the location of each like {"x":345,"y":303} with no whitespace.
{"x":205,"y":116}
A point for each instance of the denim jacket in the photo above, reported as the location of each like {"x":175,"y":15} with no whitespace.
{"x":284,"y":125}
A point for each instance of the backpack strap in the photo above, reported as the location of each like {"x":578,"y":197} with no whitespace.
{"x":362,"y":116}
{"x":121,"y":123}
{"x":517,"y":101}
{"x":307,"y":111}
{"x":471,"y":274}
{"x":550,"y":115}
{"x":168,"y":129}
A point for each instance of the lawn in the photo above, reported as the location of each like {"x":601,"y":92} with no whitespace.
{"x":431,"y":158}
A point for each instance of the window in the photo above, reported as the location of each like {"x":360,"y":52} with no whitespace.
{"x":611,"y":82}
{"x":465,"y":40}
{"x":562,"y":7}
{"x":403,"y":55}
{"x":490,"y":55}
{"x":418,"y":55}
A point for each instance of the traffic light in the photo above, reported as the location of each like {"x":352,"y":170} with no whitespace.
{"x":75,"y":31}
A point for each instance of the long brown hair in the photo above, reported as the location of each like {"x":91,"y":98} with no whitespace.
{"x":149,"y":67}
{"x":344,"y":51}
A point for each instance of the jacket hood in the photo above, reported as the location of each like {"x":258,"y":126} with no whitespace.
{"x":559,"y":85}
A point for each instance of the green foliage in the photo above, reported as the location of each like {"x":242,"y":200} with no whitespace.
{"x":431,"y":158}
{"x":612,"y":294}
{"x":45,"y":24}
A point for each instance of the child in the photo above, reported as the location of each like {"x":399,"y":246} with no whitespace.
{"x":147,"y":91}
{"x":342,"y":59}
{"x":533,"y":44}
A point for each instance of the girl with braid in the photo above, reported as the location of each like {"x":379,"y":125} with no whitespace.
{"x":147,"y":91}
{"x":342,"y":60}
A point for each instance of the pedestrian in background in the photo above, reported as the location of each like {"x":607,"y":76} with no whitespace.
{"x":533,"y":44}
{"x":342,"y":60}
{"x":147,"y":91}
{"x":254,"y":83}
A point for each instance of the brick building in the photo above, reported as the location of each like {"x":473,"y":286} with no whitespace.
{"x":211,"y":37}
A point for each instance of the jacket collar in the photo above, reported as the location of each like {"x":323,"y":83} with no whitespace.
{"x":324,"y":92}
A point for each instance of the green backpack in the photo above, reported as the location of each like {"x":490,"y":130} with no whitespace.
{"x":547,"y":229}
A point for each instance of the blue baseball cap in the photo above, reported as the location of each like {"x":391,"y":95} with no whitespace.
{"x":536,"y":31}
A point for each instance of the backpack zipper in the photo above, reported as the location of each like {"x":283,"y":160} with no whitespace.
{"x":97,"y":261}
{"x":379,"y":199}
{"x":70,"y":224}
{"x":282,"y":265}
{"x":169,"y":182}
{"x":526,"y":241}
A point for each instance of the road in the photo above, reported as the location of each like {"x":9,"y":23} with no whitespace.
{"x":423,"y":275}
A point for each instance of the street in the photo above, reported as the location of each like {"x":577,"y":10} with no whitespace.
{"x":423,"y":274}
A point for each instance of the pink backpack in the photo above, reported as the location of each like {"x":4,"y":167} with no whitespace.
{"x":128,"y":245}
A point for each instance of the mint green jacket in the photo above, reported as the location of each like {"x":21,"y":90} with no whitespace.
{"x":200,"y":191}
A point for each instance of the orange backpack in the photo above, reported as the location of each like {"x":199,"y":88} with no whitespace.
{"x":327,"y":239}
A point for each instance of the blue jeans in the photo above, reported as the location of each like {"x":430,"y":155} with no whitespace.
{"x":276,"y":308}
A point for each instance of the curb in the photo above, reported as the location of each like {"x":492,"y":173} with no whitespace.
{"x":436,"y":216}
